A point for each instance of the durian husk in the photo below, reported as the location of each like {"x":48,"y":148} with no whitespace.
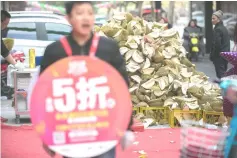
{"x":164,"y":72}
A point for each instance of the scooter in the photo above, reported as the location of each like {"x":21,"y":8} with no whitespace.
{"x":194,"y":46}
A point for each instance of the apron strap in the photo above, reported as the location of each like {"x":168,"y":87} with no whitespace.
{"x":66,"y":46}
{"x":94,"y":45}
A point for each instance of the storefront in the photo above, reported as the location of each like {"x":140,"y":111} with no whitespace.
{"x":5,"y":5}
{"x":13,"y":5}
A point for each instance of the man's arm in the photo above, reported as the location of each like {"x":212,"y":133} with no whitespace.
{"x":10,"y":59}
{"x":5,"y":54}
{"x":217,"y":41}
{"x":4,"y":50}
{"x":47,"y":59}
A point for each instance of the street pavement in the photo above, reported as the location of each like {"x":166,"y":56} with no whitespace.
{"x":7,"y":111}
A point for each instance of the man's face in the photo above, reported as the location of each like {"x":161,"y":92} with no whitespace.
{"x":5,"y":23}
{"x":215,"y":20}
{"x":82,"y":18}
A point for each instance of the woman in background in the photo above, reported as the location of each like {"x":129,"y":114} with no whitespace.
{"x":191,"y":28}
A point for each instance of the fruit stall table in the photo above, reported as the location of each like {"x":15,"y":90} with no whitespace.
{"x":21,"y":84}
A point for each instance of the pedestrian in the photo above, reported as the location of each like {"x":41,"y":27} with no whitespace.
{"x":220,"y":43}
{"x":5,"y":19}
{"x":5,"y":53}
{"x":80,"y":15}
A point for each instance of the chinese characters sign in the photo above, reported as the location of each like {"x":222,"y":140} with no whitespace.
{"x":80,"y":107}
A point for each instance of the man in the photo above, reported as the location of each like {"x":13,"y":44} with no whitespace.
{"x":5,"y":18}
{"x":80,"y":15}
{"x":221,"y":43}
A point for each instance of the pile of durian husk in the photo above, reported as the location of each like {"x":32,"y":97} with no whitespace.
{"x":160,"y":74}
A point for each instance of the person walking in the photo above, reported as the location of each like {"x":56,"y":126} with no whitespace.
{"x":220,"y":43}
{"x":80,"y":15}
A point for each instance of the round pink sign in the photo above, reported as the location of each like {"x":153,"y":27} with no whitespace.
{"x":80,"y":107}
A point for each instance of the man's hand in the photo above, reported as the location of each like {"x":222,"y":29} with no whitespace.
{"x":232,"y":95}
{"x":19,"y":66}
{"x":48,"y":151}
{"x":127,"y":139}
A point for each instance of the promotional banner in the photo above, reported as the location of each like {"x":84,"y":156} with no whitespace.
{"x":80,"y":107}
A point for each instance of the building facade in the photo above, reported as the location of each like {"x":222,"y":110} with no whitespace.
{"x":13,"y":5}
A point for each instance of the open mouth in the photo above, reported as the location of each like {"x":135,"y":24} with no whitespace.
{"x":85,"y":25}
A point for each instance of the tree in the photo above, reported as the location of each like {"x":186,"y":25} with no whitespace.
{"x":139,"y":5}
{"x":153,"y":13}
{"x":171,"y":12}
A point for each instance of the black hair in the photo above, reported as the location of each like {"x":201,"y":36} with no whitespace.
{"x":69,"y":5}
{"x":193,"y":20}
{"x":4,"y":15}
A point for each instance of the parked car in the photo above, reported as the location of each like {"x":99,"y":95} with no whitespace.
{"x":230,"y":20}
{"x":199,"y":16}
{"x":100,"y":20}
{"x":32,"y":30}
{"x":38,"y":29}
{"x":36,"y":33}
{"x":198,"y":13}
{"x":230,"y":25}
{"x":36,"y":14}
{"x":227,"y":16}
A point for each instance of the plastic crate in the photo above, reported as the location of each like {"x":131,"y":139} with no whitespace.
{"x":135,"y":110}
{"x":137,"y":126}
{"x":161,"y":113}
{"x":211,"y":117}
{"x":173,"y":122}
